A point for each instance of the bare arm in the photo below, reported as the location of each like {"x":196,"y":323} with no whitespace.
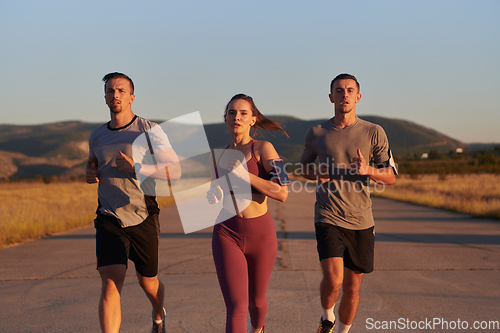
{"x":267,"y":187}
{"x":312,"y":171}
{"x":384,"y":176}
{"x":166,"y":168}
{"x":215,"y":193}
{"x":91,"y":171}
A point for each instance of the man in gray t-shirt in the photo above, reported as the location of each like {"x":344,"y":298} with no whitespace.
{"x":127,"y":224}
{"x":343,"y":146}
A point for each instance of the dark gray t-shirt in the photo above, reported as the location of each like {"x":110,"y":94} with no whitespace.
{"x":119,"y":192}
{"x":344,"y":200}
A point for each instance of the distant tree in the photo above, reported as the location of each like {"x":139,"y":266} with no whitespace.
{"x":488,"y":158}
{"x":49,"y":179}
{"x":434,"y":155}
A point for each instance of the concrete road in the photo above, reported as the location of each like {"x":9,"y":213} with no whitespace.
{"x":432,"y":269}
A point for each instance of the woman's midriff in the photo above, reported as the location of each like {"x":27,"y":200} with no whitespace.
{"x":257,"y":206}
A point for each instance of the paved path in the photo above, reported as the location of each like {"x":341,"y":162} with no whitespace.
{"x":430,"y":265}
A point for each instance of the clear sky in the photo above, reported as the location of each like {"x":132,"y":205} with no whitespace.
{"x":436,"y":63}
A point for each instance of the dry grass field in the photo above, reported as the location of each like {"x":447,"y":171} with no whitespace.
{"x":474,"y":194}
{"x":29,"y":210}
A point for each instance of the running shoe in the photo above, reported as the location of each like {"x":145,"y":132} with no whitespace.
{"x":250,"y":328}
{"x":325,"y":326}
{"x":160,"y":328}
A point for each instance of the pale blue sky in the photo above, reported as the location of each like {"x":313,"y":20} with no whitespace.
{"x":436,"y":63}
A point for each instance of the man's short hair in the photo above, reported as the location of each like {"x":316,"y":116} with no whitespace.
{"x":344,"y":76}
{"x":116,"y":75}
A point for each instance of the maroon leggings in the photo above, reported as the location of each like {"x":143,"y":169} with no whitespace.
{"x":244,"y":251}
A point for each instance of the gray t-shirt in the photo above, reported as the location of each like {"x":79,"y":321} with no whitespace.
{"x":345,"y":200}
{"x":119,"y":192}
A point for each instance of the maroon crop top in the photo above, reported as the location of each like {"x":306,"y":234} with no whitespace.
{"x":253,"y":167}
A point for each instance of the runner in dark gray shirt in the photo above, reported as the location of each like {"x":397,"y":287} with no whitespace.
{"x":342,"y":212}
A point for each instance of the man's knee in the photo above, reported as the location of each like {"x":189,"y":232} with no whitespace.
{"x":149,"y":284}
{"x":333,"y":273}
{"x":352,"y":283}
{"x":332,"y":281}
{"x":112,"y":277}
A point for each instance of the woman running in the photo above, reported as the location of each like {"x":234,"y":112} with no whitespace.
{"x":244,"y":247}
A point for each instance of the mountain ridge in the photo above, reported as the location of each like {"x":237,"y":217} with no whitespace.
{"x":61,"y":148}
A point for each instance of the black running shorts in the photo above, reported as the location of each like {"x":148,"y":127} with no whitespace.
{"x":355,"y":246}
{"x":115,"y":244}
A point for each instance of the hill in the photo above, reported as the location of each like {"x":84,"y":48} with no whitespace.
{"x":404,"y":136}
{"x":61,"y":149}
{"x":56,"y":149}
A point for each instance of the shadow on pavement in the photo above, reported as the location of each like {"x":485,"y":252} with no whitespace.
{"x":307,"y":235}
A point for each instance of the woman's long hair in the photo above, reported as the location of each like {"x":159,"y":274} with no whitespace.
{"x":262,"y":121}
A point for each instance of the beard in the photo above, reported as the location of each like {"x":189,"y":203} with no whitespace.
{"x":345,"y":110}
{"x":115,"y":108}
